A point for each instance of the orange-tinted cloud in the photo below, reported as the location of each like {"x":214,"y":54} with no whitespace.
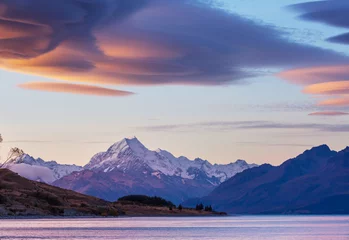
{"x":74,"y":89}
{"x":323,"y":80}
{"x":328,"y":88}
{"x":328,"y":113}
{"x":337,"y":102}
{"x":315,"y":75}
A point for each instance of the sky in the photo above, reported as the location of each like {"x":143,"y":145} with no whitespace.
{"x":220,"y":80}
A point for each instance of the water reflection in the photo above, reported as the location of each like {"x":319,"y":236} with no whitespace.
{"x":223,"y":228}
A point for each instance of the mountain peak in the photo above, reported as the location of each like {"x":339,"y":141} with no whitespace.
{"x":322,"y":147}
{"x":321,"y":151}
{"x":240,"y":161}
{"x":132,"y":143}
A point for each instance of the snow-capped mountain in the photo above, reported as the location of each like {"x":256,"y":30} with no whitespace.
{"x":132,"y":154}
{"x":37,"y":169}
{"x":128,"y":167}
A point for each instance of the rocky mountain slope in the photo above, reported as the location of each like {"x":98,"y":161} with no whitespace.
{"x":315,"y":182}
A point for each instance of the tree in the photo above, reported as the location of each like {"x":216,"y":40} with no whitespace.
{"x":180,"y":207}
{"x":208,"y":208}
{"x":199,"y":207}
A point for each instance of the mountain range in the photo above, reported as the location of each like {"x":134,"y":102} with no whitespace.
{"x":128,"y":167}
{"x":37,"y":169}
{"x":315,"y":182}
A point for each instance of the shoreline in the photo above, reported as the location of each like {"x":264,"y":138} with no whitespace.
{"x":110,"y":217}
{"x":166,"y":216}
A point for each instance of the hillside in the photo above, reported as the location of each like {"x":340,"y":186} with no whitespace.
{"x":22,"y":197}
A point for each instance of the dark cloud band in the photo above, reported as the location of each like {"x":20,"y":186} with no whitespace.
{"x":143,"y":42}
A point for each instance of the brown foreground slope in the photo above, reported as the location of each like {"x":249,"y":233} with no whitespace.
{"x":22,"y":197}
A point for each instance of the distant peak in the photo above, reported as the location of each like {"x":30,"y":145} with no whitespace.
{"x":320,"y":151}
{"x":240,"y":161}
{"x":322,"y":147}
{"x":132,"y":140}
{"x":132,"y":143}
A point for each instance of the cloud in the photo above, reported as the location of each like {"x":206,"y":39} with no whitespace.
{"x":74,"y":88}
{"x":323,"y":80}
{"x":246,"y":125}
{"x":319,"y":74}
{"x":328,"y":114}
{"x":331,"y":12}
{"x":343,"y":38}
{"x":275,"y":144}
{"x":328,"y":88}
{"x":336,"y":102}
{"x":144,"y":42}
{"x":328,"y":80}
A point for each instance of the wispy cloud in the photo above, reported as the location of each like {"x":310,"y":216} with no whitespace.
{"x":246,"y":125}
{"x":335,"y":102}
{"x":328,"y":81}
{"x":328,"y":88}
{"x":74,"y":89}
{"x":328,"y":113}
{"x":275,"y":144}
{"x":319,"y":74}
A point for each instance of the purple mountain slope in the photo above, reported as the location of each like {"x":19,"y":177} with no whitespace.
{"x":315,"y":182}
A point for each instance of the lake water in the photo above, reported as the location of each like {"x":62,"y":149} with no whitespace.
{"x":227,"y":228}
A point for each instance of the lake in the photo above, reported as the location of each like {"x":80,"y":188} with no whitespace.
{"x":227,"y":228}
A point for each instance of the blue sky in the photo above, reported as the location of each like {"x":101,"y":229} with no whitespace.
{"x":190,"y":120}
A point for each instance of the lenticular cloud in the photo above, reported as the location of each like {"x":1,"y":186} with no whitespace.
{"x":143,"y":42}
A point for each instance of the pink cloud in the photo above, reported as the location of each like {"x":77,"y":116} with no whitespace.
{"x":336,"y":102}
{"x":74,"y":89}
{"x":328,"y":88}
{"x":313,"y":75}
{"x":329,"y":113}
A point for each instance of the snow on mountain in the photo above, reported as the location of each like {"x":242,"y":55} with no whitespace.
{"x":131,"y":154}
{"x":38,"y":169}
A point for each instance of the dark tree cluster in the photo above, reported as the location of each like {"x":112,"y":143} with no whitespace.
{"x":208,"y":208}
{"x":150,"y":201}
{"x":200,"y":207}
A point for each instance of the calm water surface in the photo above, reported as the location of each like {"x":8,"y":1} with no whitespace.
{"x":241,"y":228}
